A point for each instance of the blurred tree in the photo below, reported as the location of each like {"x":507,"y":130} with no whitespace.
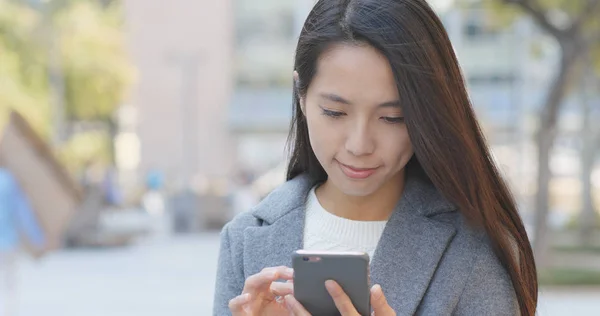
{"x":590,"y":137}
{"x":23,"y":80}
{"x":576,"y":28}
{"x":64,"y":61}
{"x":95,"y":65}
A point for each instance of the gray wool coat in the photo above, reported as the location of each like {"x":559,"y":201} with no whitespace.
{"x":428,"y":261}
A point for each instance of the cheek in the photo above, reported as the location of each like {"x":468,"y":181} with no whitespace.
{"x":323,"y":136}
{"x":397,"y":149}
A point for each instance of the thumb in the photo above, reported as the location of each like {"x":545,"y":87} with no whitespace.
{"x":379,"y":302}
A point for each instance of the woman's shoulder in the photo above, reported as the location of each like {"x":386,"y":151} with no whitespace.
{"x":472,"y":246}
{"x":471,"y":236}
{"x":479,"y":280}
{"x":488,"y":289}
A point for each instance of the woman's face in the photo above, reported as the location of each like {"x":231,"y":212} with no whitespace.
{"x":355,"y":120}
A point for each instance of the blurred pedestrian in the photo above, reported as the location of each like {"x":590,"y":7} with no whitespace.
{"x":154,"y":203}
{"x":16,"y":219}
{"x":110,"y":187}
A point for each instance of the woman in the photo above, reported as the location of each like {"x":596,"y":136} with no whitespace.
{"x":387,"y":158}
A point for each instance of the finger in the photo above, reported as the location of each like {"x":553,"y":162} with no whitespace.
{"x":295,"y":307}
{"x":282,"y":289}
{"x":263,"y":279}
{"x":379,"y":302}
{"x":341,"y":300}
{"x":236,"y":305}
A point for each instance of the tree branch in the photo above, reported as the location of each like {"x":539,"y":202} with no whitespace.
{"x":592,"y":39}
{"x":532,"y":8}
{"x":589,"y":10}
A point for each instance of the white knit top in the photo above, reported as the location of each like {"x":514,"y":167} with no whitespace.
{"x":327,"y":232}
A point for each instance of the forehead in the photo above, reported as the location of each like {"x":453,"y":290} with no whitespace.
{"x":357,"y":72}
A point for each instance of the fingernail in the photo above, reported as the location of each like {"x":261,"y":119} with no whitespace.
{"x":376,"y":291}
{"x":330,"y":285}
{"x":290,"y":271}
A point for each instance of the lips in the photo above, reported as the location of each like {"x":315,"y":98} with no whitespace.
{"x":355,"y":172}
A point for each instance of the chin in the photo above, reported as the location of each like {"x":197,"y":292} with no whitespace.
{"x":360,"y":188}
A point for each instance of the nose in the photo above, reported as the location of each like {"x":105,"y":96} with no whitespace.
{"x":360,"y":141}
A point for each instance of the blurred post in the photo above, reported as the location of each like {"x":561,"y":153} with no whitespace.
{"x":186,"y":203}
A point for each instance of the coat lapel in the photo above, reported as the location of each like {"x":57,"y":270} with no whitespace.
{"x":282,"y":215}
{"x":273,"y":245}
{"x":411,"y":247}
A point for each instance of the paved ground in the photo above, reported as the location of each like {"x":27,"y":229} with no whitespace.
{"x":168,"y":277}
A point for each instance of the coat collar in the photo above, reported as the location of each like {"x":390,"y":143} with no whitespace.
{"x":424,"y":198}
{"x":405,"y":260}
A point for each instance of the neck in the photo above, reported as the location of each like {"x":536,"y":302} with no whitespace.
{"x":375,"y":207}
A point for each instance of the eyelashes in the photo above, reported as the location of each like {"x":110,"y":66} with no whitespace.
{"x":386,"y":119}
{"x":393,"y":120}
{"x":333,"y":114}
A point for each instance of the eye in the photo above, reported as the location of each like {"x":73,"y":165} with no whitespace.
{"x":393,"y":120}
{"x":333,"y":114}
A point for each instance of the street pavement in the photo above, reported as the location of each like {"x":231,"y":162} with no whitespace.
{"x":167,"y":276}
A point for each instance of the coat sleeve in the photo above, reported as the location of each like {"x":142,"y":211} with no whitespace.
{"x":489,"y":290}
{"x":230,"y":279}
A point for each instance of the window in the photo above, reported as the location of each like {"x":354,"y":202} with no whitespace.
{"x":264,"y":42}
{"x":476,"y":25}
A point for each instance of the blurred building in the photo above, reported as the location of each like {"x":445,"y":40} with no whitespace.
{"x":266,"y":34}
{"x":214,"y":89}
{"x":183,"y":51}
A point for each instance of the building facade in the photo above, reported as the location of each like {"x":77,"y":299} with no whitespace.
{"x":183,"y":51}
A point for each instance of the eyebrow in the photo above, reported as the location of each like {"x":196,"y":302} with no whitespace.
{"x":336,"y":98}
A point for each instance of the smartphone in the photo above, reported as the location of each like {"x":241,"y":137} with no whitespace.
{"x":349,"y":269}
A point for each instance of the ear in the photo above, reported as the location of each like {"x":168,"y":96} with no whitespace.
{"x":297,"y":87}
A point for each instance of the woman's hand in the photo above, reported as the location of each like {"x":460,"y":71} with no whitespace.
{"x":259,"y":297}
{"x":342,"y":301}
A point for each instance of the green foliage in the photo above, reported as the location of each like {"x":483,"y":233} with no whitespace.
{"x":568,"y":276}
{"x":96,"y":69}
{"x":568,"y":9}
{"x":91,"y":55}
{"x":560,"y":14}
{"x":578,"y":249}
{"x":84,"y":148}
{"x":23,"y":76}
{"x":95,"y":66}
{"x":501,"y":15}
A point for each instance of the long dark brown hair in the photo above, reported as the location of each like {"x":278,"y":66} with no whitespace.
{"x":450,"y":149}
